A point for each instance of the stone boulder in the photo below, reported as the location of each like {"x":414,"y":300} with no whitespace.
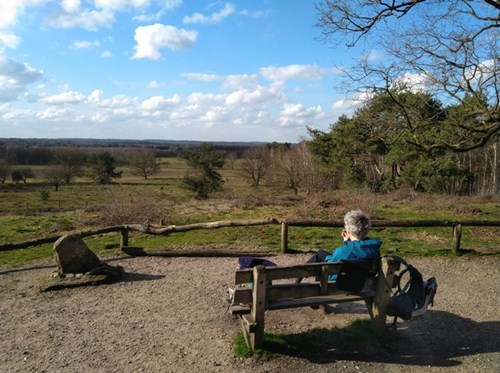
{"x":72,"y":255}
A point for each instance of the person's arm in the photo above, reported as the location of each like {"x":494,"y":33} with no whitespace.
{"x":337,"y":255}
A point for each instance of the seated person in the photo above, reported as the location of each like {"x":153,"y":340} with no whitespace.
{"x":356,"y":243}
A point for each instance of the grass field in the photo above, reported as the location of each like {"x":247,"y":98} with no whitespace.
{"x":161,"y":199}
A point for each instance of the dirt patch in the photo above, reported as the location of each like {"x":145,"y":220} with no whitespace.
{"x":170,"y":315}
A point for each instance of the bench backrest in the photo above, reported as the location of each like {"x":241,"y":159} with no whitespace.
{"x":280,"y":282}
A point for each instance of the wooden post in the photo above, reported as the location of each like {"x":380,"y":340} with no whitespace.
{"x":258,"y":307}
{"x":383,"y":293}
{"x":123,"y":238}
{"x":457,"y":236}
{"x":284,"y":237}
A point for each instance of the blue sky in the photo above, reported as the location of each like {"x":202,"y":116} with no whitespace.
{"x":165,"y":69}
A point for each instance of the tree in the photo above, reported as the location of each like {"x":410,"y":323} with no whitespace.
{"x":204,"y":161}
{"x":55,"y":175}
{"x":5,"y":170}
{"x":255,"y":164}
{"x":144,"y":163}
{"x":451,"y":53}
{"x":22,"y":174}
{"x":373,"y":148}
{"x":71,"y":162}
{"x":102,"y":168}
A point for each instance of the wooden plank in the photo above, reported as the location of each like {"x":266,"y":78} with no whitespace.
{"x":238,"y":309}
{"x":258,"y":306}
{"x":301,"y":270}
{"x":288,"y":272}
{"x":302,"y":290}
{"x":242,"y":295}
{"x":293,"y":290}
{"x":243,"y":276}
{"x":317,"y":301}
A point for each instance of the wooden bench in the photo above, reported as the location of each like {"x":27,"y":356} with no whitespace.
{"x":271,"y":288}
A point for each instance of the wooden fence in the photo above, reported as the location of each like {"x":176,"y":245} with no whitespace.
{"x":285,"y":227}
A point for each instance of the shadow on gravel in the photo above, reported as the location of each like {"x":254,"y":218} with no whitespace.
{"x":135,"y":277}
{"x":436,"y":340}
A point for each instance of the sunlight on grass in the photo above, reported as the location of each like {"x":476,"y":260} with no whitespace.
{"x":161,"y":201}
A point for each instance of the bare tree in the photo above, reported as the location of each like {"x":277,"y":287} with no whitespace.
{"x":291,"y":166}
{"x":71,"y":162}
{"x":449,"y":49}
{"x":5,"y":170}
{"x":55,"y":175}
{"x":144,"y":163}
{"x":255,"y":164}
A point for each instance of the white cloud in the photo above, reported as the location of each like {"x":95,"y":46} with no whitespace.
{"x":205,"y":99}
{"x":349,"y":103}
{"x":255,"y":14}
{"x":150,"y":39}
{"x":64,"y":98}
{"x":299,"y":115}
{"x":11,"y":10}
{"x":240,"y":81}
{"x":15,"y":77}
{"x":70,"y":6}
{"x":119,"y":101}
{"x":202,"y":77}
{"x":212,"y":18}
{"x":95,"y":96}
{"x":483,"y":72}
{"x":153,"y":84}
{"x":170,"y":4}
{"x":106,"y":54}
{"x":160,"y":102}
{"x":413,"y":82}
{"x":53,"y":113}
{"x":259,"y":95}
{"x":8,"y":40}
{"x":214,"y":115}
{"x":121,"y":4}
{"x":166,"y":5}
{"x":91,"y":20}
{"x":374,"y":55}
{"x":86,"y":44}
{"x":284,"y":73}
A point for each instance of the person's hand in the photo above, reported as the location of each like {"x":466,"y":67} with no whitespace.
{"x":345,"y":235}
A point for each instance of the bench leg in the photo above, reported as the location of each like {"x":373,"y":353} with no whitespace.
{"x":369,"y":306}
{"x":256,"y":330}
{"x":383,"y":293}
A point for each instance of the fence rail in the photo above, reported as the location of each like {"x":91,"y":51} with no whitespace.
{"x":285,"y":226}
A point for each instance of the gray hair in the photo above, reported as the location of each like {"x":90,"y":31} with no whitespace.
{"x":357,"y":223}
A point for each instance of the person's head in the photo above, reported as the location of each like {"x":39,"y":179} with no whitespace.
{"x":356,"y":224}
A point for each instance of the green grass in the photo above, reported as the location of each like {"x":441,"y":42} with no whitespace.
{"x":133,"y":200}
{"x":355,"y":337}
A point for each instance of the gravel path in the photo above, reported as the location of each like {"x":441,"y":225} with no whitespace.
{"x":170,"y":315}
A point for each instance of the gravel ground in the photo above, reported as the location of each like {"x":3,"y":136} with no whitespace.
{"x":170,"y":315}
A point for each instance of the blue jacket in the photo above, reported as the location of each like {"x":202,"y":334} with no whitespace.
{"x":366,"y":249}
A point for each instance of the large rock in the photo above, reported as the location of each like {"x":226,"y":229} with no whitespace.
{"x":73,"y":255}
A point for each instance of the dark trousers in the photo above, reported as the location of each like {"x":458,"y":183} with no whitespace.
{"x":319,"y":256}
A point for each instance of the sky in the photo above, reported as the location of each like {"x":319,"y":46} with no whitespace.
{"x":167,"y":70}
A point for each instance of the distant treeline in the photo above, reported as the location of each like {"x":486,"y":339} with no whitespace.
{"x":44,"y":151}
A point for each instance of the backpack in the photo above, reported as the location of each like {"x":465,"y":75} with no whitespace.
{"x":246,"y":262}
{"x":412,"y":299}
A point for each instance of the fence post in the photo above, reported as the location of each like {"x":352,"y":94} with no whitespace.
{"x":457,"y":236}
{"x":123,"y":238}
{"x":284,"y":237}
